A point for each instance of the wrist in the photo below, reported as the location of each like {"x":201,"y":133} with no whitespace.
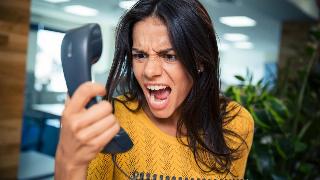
{"x":70,"y":171}
{"x":65,"y":169}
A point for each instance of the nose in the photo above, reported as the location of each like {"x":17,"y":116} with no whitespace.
{"x":153,"y":67}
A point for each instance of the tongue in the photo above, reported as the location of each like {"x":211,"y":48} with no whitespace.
{"x":161,"y":94}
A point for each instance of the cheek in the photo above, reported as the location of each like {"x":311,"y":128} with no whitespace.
{"x":184,"y":83}
{"x":137,"y":70}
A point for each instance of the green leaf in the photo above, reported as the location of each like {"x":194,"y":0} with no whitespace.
{"x":264,"y":159}
{"x":265,"y":87}
{"x":299,"y":146}
{"x":275,"y":116}
{"x":280,"y":151}
{"x":277,"y":109}
{"x":259,"y":82}
{"x":305,"y":168}
{"x":240,"y":78}
{"x":258,"y":121}
{"x":304,"y":129}
{"x":257,"y":160}
{"x":229,"y":92}
{"x":250,"y":79}
{"x":280,"y":107}
{"x":236,"y":92}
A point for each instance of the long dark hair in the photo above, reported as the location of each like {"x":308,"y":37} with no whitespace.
{"x":204,"y":113}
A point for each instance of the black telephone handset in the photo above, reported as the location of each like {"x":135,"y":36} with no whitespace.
{"x":82,"y":47}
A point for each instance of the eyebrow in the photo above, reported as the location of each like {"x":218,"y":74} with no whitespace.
{"x":162,"y":51}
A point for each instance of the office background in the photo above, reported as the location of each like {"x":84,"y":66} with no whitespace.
{"x":32,"y":84}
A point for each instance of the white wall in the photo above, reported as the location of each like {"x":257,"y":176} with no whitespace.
{"x":235,"y":62}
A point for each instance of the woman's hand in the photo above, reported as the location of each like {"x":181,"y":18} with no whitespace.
{"x":84,"y":132}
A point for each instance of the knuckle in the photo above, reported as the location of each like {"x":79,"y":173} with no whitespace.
{"x":81,"y":138}
{"x":74,"y":127}
{"x":111,"y":120}
{"x":92,"y":144}
{"x":97,"y":147}
{"x":85,"y":89}
{"x":87,"y":84}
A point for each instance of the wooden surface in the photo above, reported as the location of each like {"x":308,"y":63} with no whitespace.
{"x":14,"y":28}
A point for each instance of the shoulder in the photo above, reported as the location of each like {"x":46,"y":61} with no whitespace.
{"x":240,"y":122}
{"x":238,"y":119}
{"x":239,"y":126}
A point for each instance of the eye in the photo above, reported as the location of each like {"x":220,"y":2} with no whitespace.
{"x":138,"y":56}
{"x":170,"y":57}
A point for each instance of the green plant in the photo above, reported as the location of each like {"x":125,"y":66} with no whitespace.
{"x":301,"y":94}
{"x":269,"y":113}
{"x":286,"y":140}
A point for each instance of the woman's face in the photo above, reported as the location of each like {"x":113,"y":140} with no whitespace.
{"x":159,"y":72}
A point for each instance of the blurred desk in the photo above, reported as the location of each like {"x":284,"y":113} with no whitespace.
{"x":35,"y":165}
{"x":51,"y":109}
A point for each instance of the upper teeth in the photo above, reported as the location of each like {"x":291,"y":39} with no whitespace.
{"x":155,"y":87}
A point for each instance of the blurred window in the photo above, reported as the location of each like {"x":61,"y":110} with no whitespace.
{"x":48,"y":69}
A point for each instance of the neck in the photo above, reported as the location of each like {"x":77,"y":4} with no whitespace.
{"x":167,"y":125}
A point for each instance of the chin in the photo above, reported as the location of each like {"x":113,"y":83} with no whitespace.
{"x":164,"y":114}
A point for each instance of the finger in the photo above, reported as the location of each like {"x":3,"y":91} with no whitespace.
{"x":93,"y":114}
{"x":86,"y":134}
{"x":83,"y":95}
{"x":104,"y":138}
{"x":90,"y":150}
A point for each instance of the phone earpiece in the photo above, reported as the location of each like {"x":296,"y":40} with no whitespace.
{"x":95,"y":43}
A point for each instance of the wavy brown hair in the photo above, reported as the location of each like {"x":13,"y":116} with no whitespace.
{"x":204,"y":111}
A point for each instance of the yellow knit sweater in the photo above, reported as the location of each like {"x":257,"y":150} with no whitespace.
{"x":157,"y":155}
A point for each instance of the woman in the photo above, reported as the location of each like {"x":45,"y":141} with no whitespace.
{"x":166,"y":69}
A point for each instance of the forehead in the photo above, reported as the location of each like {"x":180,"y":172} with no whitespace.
{"x":150,"y":31}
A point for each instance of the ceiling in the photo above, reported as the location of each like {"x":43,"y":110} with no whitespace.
{"x":269,"y":14}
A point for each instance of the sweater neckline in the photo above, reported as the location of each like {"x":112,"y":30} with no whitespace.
{"x":159,"y":133}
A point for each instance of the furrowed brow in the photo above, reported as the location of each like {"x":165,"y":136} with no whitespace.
{"x":164,"y":51}
{"x":137,"y":50}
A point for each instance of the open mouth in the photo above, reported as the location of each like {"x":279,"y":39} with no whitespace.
{"x":158,"y":94}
